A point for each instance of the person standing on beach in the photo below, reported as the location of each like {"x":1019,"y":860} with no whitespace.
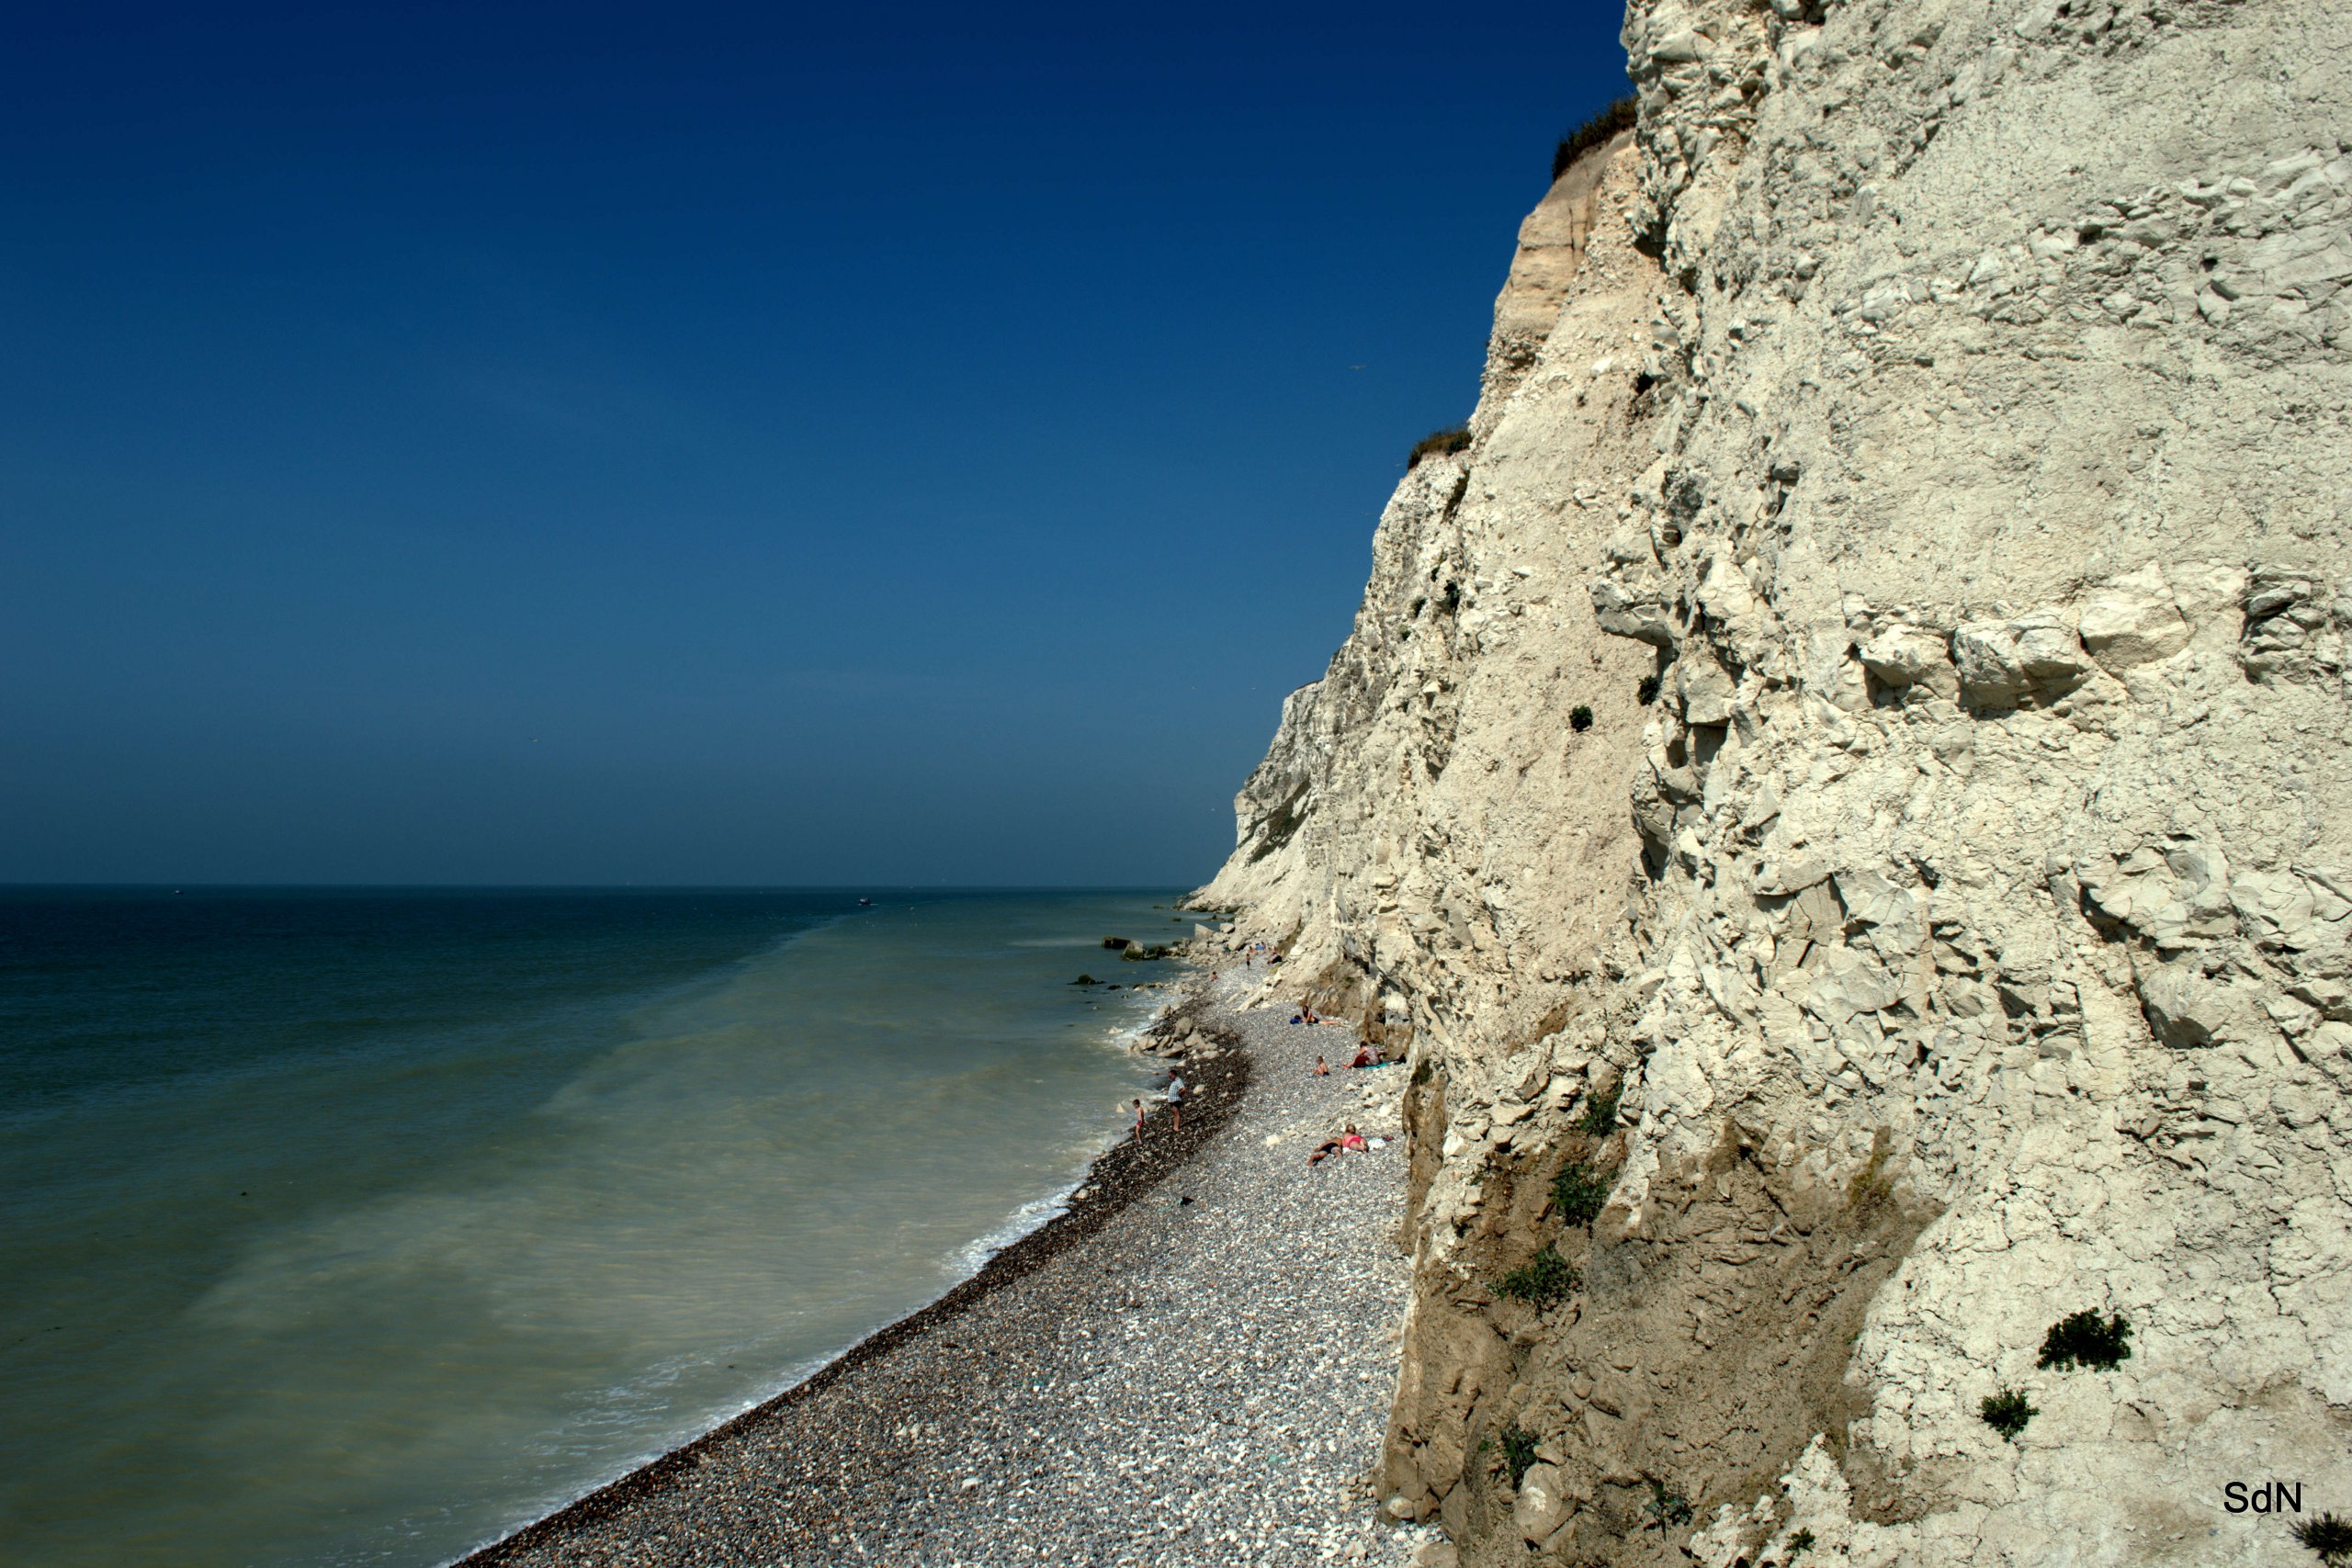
{"x":1139,"y":1121}
{"x":1175,"y":1102}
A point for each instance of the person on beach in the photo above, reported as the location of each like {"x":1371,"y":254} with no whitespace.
{"x":1322,"y":1068}
{"x":1139,"y":1121}
{"x":1348,"y":1142}
{"x":1175,"y":1102}
{"x":1364,"y":1059}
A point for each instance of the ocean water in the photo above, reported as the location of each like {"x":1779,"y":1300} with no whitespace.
{"x":359,"y":1227}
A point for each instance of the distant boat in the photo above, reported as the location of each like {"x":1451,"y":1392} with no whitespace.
{"x":865,"y":903}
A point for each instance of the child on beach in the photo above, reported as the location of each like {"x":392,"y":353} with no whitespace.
{"x":1322,"y":1068}
{"x":1139,"y":1121}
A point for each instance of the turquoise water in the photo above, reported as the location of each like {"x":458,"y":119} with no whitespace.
{"x":359,"y":1227}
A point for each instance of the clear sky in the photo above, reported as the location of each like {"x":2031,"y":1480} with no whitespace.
{"x":509,"y":443}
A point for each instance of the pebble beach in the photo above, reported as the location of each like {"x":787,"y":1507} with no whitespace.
{"x":1194,"y":1365}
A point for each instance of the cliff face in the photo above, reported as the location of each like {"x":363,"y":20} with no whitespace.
{"x":1945,"y":401}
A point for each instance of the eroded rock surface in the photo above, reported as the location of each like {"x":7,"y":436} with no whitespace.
{"x":1922,"y":446}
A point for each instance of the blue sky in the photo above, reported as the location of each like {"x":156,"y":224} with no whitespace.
{"x":698,"y":444}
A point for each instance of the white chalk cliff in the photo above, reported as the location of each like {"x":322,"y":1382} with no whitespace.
{"x":1946,"y":402}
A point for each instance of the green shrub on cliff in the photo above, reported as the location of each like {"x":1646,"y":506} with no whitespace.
{"x":2084,"y":1337}
{"x":1519,"y":1452}
{"x":2007,"y":1412}
{"x":2328,"y":1535}
{"x":1667,"y":1508}
{"x":1600,"y":1118}
{"x":1578,"y":1192}
{"x":1541,"y":1281}
{"x":1439,"y":443}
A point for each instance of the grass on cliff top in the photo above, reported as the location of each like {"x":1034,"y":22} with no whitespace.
{"x":1439,"y":443}
{"x":1617,"y":117}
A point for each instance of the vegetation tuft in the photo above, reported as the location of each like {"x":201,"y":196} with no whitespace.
{"x":2007,"y":1412}
{"x":1424,"y":1071}
{"x":1519,"y":1453}
{"x":1578,"y":1192}
{"x":1541,"y":1281}
{"x":2083,"y":1338}
{"x":1666,"y":1508}
{"x":1801,"y":1541}
{"x":1580,"y":719}
{"x":2328,"y":1535}
{"x":1647,"y":692}
{"x":1617,"y":117}
{"x":1439,"y":443}
{"x":1600,"y":1118}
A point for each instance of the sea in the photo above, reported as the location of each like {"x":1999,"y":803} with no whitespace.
{"x":344,"y":1226}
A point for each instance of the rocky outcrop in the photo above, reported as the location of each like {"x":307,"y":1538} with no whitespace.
{"x":1921,"y":446}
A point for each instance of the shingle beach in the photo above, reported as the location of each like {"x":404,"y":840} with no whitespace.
{"x":1193,"y":1366}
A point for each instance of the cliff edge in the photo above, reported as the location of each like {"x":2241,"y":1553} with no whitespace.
{"x":1841,"y":791}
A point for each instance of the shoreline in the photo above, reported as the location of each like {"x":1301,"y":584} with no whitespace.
{"x":1186,"y":1370}
{"x":1115,"y":1179}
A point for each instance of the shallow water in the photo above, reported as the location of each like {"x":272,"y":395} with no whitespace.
{"x":357,"y":1227}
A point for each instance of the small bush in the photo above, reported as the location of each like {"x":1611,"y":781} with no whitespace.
{"x":1617,"y":117}
{"x":1424,"y":1071}
{"x":1801,"y":1541}
{"x":2328,"y":1535}
{"x":2083,"y":1338}
{"x":1600,"y":1118}
{"x":1519,"y":1453}
{"x":1668,"y":1508}
{"x":1543,"y":1280}
{"x":1647,"y":692}
{"x":2007,"y":1412}
{"x":1580,"y":719}
{"x":1578,"y":1192}
{"x":1439,"y":443}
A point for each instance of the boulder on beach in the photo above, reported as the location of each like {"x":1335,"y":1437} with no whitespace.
{"x":1087,"y":980}
{"x":1115,"y":942}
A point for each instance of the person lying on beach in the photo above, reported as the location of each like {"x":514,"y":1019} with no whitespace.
{"x":1322,"y":1068}
{"x":1364,"y":1059}
{"x":1348,"y":1142}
